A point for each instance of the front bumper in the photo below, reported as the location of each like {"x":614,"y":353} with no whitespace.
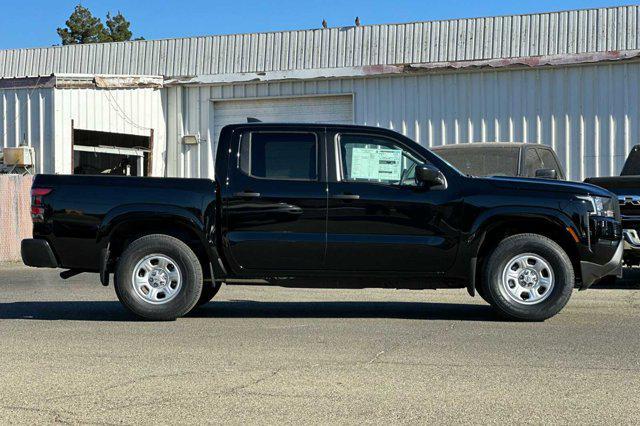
{"x":37,"y":253}
{"x":592,"y":272}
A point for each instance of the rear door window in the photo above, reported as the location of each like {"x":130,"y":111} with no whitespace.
{"x":279,"y":156}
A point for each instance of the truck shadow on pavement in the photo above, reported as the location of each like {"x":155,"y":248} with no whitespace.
{"x":395,"y":310}
{"x":113,"y":311}
{"x":630,"y":281}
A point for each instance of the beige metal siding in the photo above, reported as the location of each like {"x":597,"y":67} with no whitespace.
{"x":556,"y":33}
{"x":588,"y":114}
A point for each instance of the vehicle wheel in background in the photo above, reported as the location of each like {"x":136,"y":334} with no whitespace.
{"x":158,"y":277}
{"x":528,"y":277}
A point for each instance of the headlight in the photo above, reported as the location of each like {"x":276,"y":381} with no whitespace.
{"x":598,"y":206}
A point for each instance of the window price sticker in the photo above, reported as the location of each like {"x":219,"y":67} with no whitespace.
{"x":376,"y":164}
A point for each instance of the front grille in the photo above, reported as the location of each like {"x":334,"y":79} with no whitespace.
{"x":629,"y":205}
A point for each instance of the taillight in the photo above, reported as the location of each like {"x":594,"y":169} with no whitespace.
{"x":37,"y":206}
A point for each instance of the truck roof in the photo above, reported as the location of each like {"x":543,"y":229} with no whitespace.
{"x":329,"y":125}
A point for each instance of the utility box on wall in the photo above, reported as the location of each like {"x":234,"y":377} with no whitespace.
{"x":22,"y":156}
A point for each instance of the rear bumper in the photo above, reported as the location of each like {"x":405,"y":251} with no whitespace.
{"x":592,"y":272}
{"x":38,"y":253}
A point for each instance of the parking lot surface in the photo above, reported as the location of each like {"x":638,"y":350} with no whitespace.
{"x":71,"y":353}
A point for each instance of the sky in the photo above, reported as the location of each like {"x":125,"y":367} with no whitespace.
{"x":33,"y":23}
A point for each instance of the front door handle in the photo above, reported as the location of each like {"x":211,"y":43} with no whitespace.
{"x":347,"y":197}
{"x":247,"y":194}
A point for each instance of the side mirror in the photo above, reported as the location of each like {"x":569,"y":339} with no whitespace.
{"x":547,"y":173}
{"x":430,"y":177}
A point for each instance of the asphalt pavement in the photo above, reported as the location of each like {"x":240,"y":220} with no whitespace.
{"x":70,"y":353}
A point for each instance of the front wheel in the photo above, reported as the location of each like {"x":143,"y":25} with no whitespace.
{"x":158,"y":277}
{"x":528,"y":277}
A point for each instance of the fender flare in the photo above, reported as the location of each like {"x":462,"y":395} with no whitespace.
{"x":500,"y":216}
{"x":126,"y":214}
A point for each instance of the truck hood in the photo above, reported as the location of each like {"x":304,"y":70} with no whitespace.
{"x":546,"y":185}
{"x":620,"y":185}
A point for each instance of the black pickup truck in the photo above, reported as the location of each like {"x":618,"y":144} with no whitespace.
{"x":332,"y":206}
{"x":627,"y":189}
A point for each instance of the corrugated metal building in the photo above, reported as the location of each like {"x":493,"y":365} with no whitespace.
{"x":566,"y":79}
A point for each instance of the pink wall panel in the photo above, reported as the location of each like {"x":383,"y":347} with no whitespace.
{"x":15,"y":217}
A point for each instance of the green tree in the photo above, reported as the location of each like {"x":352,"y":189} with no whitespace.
{"x":82,"y":27}
{"x":118,"y":28}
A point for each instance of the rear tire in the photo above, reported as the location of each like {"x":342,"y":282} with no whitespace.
{"x":528,"y":277}
{"x":158,"y":277}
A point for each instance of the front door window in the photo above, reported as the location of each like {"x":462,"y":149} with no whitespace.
{"x":372,"y":159}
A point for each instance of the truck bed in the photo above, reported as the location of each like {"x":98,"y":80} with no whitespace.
{"x":82,"y":210}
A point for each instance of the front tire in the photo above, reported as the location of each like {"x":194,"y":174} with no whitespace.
{"x":528,"y":277}
{"x":158,"y":277}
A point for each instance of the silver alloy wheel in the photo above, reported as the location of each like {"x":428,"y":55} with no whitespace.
{"x":527,"y":279}
{"x":156,"y":279}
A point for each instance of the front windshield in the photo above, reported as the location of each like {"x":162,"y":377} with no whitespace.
{"x":485,"y":161}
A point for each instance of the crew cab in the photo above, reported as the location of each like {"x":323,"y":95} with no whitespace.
{"x":627,"y":189}
{"x":503,"y":159}
{"x":333,"y":206}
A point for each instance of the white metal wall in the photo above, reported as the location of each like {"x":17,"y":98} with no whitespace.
{"x":129,"y":111}
{"x":588,"y":114}
{"x":300,"y":109}
{"x":42,"y":118}
{"x":555,"y":33}
{"x":26,"y":116}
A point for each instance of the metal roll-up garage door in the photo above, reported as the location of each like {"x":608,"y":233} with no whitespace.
{"x":306,"y":109}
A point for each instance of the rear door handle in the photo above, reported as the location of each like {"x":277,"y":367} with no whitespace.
{"x":347,"y":197}
{"x":247,"y":194}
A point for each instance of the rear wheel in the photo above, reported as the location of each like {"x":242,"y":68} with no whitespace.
{"x":158,"y":277}
{"x":528,"y":277}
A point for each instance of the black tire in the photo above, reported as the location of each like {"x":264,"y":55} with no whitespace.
{"x":209,"y":291}
{"x":549,"y":251}
{"x":190,"y":271}
{"x":480,"y":292}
